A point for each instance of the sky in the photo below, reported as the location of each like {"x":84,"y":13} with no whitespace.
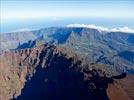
{"x":56,"y":10}
{"x":24,"y":9}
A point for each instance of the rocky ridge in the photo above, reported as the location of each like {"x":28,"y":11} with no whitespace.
{"x":111,"y":50}
{"x":50,"y":72}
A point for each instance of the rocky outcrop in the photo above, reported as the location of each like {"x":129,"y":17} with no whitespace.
{"x":52,"y":72}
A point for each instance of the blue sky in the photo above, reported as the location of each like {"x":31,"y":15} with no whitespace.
{"x":27,"y":9}
{"x":16,"y":14}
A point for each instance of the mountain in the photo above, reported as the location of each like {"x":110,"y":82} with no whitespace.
{"x":103,"y":48}
{"x":54,"y":72}
{"x":107,"y":49}
{"x":67,"y":63}
{"x":12,"y":40}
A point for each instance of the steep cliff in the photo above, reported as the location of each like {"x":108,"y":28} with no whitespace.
{"x":52,"y":72}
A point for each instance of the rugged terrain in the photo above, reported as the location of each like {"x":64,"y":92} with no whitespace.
{"x":114,"y":51}
{"x":67,"y":63}
{"x":56,"y":73}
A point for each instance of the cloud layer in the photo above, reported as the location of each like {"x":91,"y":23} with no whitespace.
{"x":100,"y":28}
{"x":21,"y":30}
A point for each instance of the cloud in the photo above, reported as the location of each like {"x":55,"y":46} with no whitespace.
{"x":22,"y":30}
{"x":88,"y":26}
{"x":123,"y":29}
{"x":100,"y":28}
{"x":18,"y":30}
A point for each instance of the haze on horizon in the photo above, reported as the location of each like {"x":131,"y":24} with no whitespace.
{"x":120,"y":11}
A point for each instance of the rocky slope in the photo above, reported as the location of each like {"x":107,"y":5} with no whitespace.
{"x":12,"y":40}
{"x":52,"y":72}
{"x":103,"y":48}
{"x":109,"y":49}
{"x":122,"y":89}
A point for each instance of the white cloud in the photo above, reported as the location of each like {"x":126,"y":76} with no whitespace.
{"x":100,"y":28}
{"x":22,"y":30}
{"x":123,"y":29}
{"x":88,"y":26}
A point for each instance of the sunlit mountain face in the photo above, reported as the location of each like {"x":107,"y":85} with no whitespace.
{"x":67,"y":50}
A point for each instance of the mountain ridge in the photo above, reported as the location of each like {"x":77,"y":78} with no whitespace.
{"x":94,"y":46}
{"x":44,"y":65}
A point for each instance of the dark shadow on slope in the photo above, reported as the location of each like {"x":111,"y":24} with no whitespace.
{"x":28,"y":44}
{"x":62,"y":34}
{"x":60,"y":79}
{"x":128,"y":55}
{"x":123,"y":75}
